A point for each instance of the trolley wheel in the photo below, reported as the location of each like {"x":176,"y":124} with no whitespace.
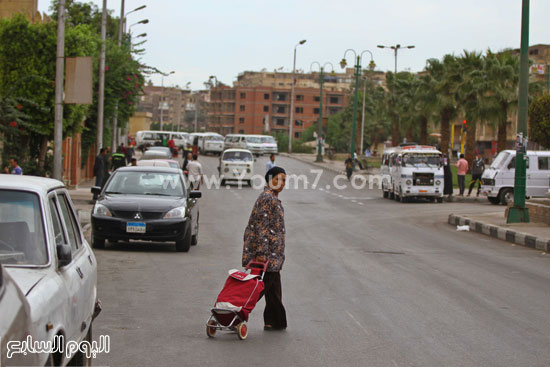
{"x":242,"y":330}
{"x":211,"y":331}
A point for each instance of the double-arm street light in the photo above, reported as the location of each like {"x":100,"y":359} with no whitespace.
{"x":143,"y":21}
{"x":320,"y":123}
{"x":291,"y":122}
{"x":161,"y":104}
{"x":395,"y":49}
{"x":343,"y":64}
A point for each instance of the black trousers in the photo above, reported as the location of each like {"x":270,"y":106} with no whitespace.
{"x":475,"y":178}
{"x":274,"y":313}
{"x":461,"y":182}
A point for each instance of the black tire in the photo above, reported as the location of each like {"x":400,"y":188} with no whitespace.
{"x":506,"y":195}
{"x":184,"y":244}
{"x":385,"y":194}
{"x":98,"y":242}
{"x":79,"y":359}
{"x":439,"y":200}
{"x":494,"y":200}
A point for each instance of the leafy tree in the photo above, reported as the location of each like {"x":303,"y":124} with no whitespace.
{"x":539,"y":120}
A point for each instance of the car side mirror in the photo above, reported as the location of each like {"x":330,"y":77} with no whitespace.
{"x":64,"y":255}
{"x":195,"y":195}
{"x":96,"y":190}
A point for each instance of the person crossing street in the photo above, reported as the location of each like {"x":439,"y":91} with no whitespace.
{"x":478,"y":166}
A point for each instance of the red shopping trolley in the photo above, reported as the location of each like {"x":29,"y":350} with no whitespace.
{"x":237,"y":299}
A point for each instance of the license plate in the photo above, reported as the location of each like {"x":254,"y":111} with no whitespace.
{"x":135,"y":227}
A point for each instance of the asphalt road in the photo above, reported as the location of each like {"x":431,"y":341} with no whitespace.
{"x":367,"y":282}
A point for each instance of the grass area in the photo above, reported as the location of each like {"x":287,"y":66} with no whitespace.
{"x":455,"y":178}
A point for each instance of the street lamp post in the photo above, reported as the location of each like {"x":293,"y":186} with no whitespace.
{"x":320,"y":123}
{"x":162,"y":96}
{"x":395,"y":49}
{"x":519,"y":213}
{"x":291,"y":122}
{"x":357,"y":67}
{"x":372,"y":65}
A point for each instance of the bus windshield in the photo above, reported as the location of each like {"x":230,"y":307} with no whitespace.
{"x":500,"y":159}
{"x":421,"y":160}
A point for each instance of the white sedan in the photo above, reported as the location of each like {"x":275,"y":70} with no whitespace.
{"x":43,"y":249}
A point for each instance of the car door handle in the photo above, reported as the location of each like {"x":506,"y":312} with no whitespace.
{"x":80,"y":273}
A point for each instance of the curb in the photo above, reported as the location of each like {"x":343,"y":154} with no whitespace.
{"x":519,"y":238}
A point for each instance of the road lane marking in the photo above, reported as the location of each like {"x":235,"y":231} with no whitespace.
{"x":357,"y":322}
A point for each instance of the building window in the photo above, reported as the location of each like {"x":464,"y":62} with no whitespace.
{"x":317,"y":99}
{"x":280,"y":109}
{"x":280,"y":97}
{"x":299,"y":97}
{"x":243,"y":95}
{"x":534,"y":52}
{"x":280,"y":122}
{"x":266,"y":108}
{"x":241,"y":108}
{"x":299,"y":110}
{"x":241,"y":120}
{"x":241,"y":131}
{"x":334,"y":100}
{"x":266,"y":96}
{"x":316,"y":111}
{"x":299,"y":123}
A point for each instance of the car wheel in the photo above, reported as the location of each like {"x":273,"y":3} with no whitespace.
{"x":184,"y":244}
{"x":493,"y":200}
{"x":506,"y":195}
{"x":98,"y":242}
{"x":80,"y":359}
{"x":195,"y":237}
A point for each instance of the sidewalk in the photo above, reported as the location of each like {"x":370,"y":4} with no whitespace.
{"x":533,"y":235}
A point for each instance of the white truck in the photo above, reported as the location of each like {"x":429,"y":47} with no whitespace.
{"x":498,"y":180}
{"x":415,"y":171}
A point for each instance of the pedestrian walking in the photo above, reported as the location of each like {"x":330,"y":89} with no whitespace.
{"x":447,"y":178}
{"x":264,"y":240}
{"x":99,"y":170}
{"x":13,"y":167}
{"x":271,"y":162}
{"x":195,"y":173}
{"x":478,"y":166}
{"x":130,"y":152}
{"x":462,"y":168}
{"x":349,"y":166}
{"x":188,"y":158}
{"x":357,"y":161}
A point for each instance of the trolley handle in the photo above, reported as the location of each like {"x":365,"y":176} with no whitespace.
{"x":257,"y":265}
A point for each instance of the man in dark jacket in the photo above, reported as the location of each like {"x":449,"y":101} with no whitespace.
{"x":99,"y":169}
{"x":478,"y":166}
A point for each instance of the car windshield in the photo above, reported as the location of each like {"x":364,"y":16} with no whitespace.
{"x":146,"y":183}
{"x":216,"y":138}
{"x":421,"y":160}
{"x":254,"y":139}
{"x":237,"y":156}
{"x":22,"y":240}
{"x":268,"y":139}
{"x":500,"y":159}
{"x":159,"y":149}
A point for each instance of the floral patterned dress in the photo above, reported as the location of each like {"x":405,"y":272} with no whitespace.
{"x":264,"y":235}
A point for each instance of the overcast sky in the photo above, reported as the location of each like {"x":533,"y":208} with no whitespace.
{"x":197,"y":39}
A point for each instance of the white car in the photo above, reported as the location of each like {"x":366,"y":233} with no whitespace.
{"x":43,"y":249}
{"x":211,"y":143}
{"x":269,"y":145}
{"x":236,"y":164}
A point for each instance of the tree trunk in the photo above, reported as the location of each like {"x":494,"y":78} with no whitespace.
{"x":445,"y":131}
{"x":42,"y":155}
{"x":409,"y":133}
{"x":470,"y":142}
{"x":502,"y":127}
{"x":423,"y":130}
{"x":395,"y":133}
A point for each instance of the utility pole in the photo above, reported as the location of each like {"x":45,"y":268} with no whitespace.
{"x":59,"y":71}
{"x":101,"y":96}
{"x":519,"y":213}
{"x":115,"y":118}
{"x":292,"y":97}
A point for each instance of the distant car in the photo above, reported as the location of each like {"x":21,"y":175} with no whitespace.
{"x":156,"y":154}
{"x":211,"y":143}
{"x":43,"y":249}
{"x":236,"y":164}
{"x":269,"y":145}
{"x":147,"y":204}
{"x":159,"y":163}
{"x":15,"y":322}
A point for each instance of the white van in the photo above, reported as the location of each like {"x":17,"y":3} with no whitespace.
{"x":148,"y":138}
{"x":211,"y":143}
{"x":236,"y":164}
{"x":416,"y":171}
{"x":269,"y":145}
{"x":498,"y":180}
